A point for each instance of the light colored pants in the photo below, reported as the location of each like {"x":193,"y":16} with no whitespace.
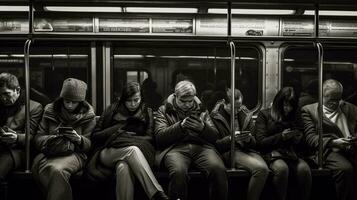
{"x":298,"y":170}
{"x":129,"y":162}
{"x":259,"y":170}
{"x":53,"y":175}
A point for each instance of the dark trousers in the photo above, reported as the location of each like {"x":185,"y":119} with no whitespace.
{"x":53,"y":175}
{"x":343,"y":173}
{"x":206,"y":160}
{"x":6,"y":165}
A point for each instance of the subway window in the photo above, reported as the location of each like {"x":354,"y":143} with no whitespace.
{"x":50,"y":65}
{"x":159,"y":68}
{"x":299,"y":69}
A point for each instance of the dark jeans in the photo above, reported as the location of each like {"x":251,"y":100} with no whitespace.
{"x":205,"y":159}
{"x":343,"y":173}
{"x":6,"y":165}
{"x":299,"y":171}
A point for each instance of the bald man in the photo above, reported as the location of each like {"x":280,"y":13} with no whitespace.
{"x":185,"y":135}
{"x":339,"y":126}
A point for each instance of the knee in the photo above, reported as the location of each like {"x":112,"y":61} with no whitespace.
{"x":178,"y":172}
{"x":217,"y":171}
{"x":280,"y":168}
{"x":52,"y":170}
{"x":346,"y":170}
{"x":134,"y":150}
{"x":260,"y":170}
{"x":122,"y":168}
{"x":303,"y":170}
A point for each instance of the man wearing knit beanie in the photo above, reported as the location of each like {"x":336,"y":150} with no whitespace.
{"x":74,"y":90}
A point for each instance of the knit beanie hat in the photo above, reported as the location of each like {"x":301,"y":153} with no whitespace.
{"x":73,"y":90}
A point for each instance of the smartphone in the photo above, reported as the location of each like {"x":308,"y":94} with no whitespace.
{"x":64,"y":129}
{"x":241,"y":132}
{"x":195,"y":116}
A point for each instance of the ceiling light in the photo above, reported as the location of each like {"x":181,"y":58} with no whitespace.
{"x":82,"y":9}
{"x":252,"y":11}
{"x":160,"y":10}
{"x":14,"y":8}
{"x":332,"y":13}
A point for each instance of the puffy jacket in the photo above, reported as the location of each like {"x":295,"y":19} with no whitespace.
{"x":168,"y":131}
{"x":223,"y":144}
{"x":52,"y":119}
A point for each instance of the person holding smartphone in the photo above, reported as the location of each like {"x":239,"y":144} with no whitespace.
{"x":245,"y":156}
{"x":63,"y":138}
{"x":185,"y":136}
{"x":12,"y":124}
{"x":123,"y":143}
{"x":338,"y":135}
{"x":279,"y":132}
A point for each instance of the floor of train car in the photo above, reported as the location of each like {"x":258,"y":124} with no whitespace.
{"x":198,"y":187}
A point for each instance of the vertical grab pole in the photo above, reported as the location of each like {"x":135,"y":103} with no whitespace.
{"x":27,"y":107}
{"x":27,"y":86}
{"x":320,"y":74}
{"x":233,"y":67}
{"x":319,"y":109}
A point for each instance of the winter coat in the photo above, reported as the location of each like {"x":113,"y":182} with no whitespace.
{"x":17,"y":122}
{"x":330,"y":130}
{"x":268,"y":134}
{"x":53,"y":118}
{"x":219,"y":118}
{"x":168,"y":131}
{"x":112,"y":130}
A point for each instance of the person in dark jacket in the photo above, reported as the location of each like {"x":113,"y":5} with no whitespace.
{"x":279,"y":132}
{"x":123,"y":141}
{"x":12,"y":123}
{"x":245,"y":156}
{"x":185,"y":135}
{"x":339,"y":131}
{"x":63,"y":139}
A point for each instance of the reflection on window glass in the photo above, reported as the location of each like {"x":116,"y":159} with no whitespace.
{"x":49,"y":66}
{"x":159,"y":68}
{"x":300,"y":70}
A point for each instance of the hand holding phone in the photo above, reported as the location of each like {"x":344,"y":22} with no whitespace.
{"x":7,"y":135}
{"x":65,"y":129}
{"x":71,"y":134}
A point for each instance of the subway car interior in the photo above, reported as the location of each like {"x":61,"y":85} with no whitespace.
{"x":268,"y":44}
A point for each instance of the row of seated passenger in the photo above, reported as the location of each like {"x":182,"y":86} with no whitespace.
{"x":129,"y":139}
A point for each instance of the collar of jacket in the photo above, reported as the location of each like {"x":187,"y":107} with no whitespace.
{"x":171,"y":108}
{"x":51,"y":113}
{"x":244,"y":111}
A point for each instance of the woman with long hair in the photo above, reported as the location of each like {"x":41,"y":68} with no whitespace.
{"x":279,"y":133}
{"x":123,"y":142}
